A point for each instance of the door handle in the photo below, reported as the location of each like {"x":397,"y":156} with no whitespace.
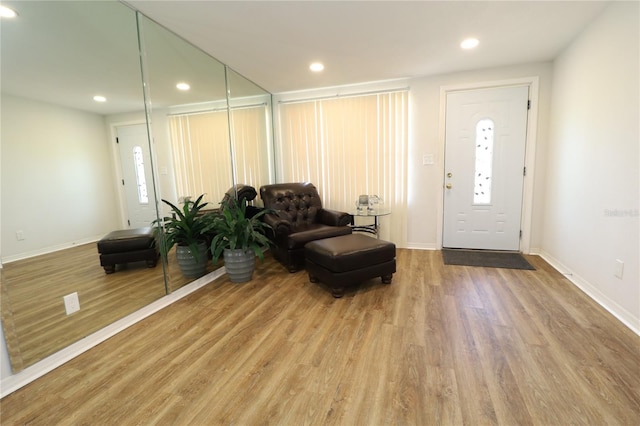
{"x":448,"y":186}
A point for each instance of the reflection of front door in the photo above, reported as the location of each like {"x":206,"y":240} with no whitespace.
{"x":135,"y":161}
{"x":484,"y":167}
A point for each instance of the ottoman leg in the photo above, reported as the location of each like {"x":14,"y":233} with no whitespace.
{"x":313,"y":279}
{"x":386,"y":279}
{"x":109,"y":269}
{"x":337,"y":291}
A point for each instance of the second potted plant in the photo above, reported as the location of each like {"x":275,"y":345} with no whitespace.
{"x":239,"y":239}
{"x":189,"y":229}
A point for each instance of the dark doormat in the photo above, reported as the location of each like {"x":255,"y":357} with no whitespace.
{"x":485,"y":258}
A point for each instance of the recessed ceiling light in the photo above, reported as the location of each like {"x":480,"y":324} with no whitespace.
{"x":99,"y":98}
{"x":5,"y":12}
{"x":183,"y":86}
{"x":316,"y":67}
{"x":469,"y":43}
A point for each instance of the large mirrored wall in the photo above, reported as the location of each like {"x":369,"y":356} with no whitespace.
{"x":251,"y":131}
{"x":74,"y":170}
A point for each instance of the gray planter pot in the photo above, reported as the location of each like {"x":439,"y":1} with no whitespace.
{"x":239,"y":264}
{"x":190,"y":266}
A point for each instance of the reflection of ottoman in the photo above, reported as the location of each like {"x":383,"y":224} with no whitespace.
{"x":349,"y":259}
{"x":128,"y":245}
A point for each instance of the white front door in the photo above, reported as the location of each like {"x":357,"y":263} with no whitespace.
{"x":484,"y":168}
{"x":135,"y":160}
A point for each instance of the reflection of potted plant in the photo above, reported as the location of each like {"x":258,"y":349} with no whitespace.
{"x":189,"y":230}
{"x":239,"y":239}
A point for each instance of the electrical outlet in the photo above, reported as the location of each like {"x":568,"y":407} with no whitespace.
{"x":619,"y":268}
{"x":71,"y":303}
{"x":19,"y":235}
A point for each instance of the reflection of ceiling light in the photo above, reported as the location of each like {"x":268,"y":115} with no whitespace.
{"x":469,"y":43}
{"x":99,"y":98}
{"x":183,"y":86}
{"x":5,"y":12}
{"x":316,"y":67}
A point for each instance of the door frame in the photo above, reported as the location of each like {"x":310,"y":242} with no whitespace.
{"x":529,"y":160}
{"x":117,"y":167}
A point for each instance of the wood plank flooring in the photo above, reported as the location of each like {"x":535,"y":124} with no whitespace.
{"x":441,"y":345}
{"x":33,"y":313}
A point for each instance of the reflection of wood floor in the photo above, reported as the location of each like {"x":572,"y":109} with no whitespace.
{"x":33,"y":291}
{"x":440,"y":345}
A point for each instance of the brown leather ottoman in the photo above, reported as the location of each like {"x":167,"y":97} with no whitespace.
{"x":128,"y":245}
{"x":349,"y":259}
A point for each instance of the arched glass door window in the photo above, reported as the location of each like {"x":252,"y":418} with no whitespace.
{"x":141,"y":181}
{"x":484,"y":162}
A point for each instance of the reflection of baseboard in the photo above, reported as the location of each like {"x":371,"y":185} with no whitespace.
{"x":625,"y":317}
{"x":14,"y":382}
{"x":421,"y":246}
{"x":50,"y":249}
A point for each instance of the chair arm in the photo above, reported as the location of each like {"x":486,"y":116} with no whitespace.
{"x":279,"y":225}
{"x":333,"y":217}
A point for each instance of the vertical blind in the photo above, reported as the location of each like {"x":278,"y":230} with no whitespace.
{"x":250,"y":148}
{"x":201,"y":151}
{"x":350,"y":146}
{"x":201,"y":154}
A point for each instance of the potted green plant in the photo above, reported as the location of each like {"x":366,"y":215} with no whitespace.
{"x":239,"y":239}
{"x":189,"y":229}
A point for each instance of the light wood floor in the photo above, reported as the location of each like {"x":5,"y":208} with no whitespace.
{"x":443,"y":345}
{"x":33,"y":314}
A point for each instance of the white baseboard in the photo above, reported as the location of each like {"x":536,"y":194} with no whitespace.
{"x":50,"y":249}
{"x":16,"y":381}
{"x":421,"y":246}
{"x":625,"y":317}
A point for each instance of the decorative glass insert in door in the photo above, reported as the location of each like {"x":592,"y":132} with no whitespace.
{"x":484,"y":162}
{"x":141,"y":181}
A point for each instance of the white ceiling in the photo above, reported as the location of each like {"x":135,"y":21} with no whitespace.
{"x":44,"y":58}
{"x":65,"y":52}
{"x":273,"y":43}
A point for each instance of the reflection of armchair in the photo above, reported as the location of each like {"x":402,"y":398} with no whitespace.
{"x":297,"y":218}
{"x":240,"y":191}
{"x":237,"y":192}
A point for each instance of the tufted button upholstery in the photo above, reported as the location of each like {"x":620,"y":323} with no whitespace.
{"x":298,"y":217}
{"x":298,"y":209}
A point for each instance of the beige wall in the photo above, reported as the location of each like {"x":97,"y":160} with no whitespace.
{"x":592,"y":189}
{"x":57,"y":178}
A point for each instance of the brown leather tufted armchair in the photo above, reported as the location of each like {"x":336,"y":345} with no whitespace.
{"x":297,"y":218}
